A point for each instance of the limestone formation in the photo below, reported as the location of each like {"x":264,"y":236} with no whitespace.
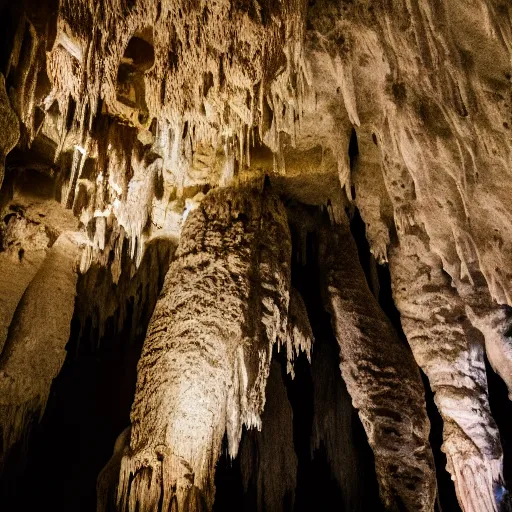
{"x":207,"y":354}
{"x":449,"y":352}
{"x":35,"y":348}
{"x":381,"y":376}
{"x":10,"y":127}
{"x":228,"y":128}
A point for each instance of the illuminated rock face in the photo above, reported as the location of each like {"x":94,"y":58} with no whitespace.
{"x":34,"y":351}
{"x":206,"y":358}
{"x":228,"y":129}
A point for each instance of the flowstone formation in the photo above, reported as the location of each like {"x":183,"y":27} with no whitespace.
{"x":206,"y":358}
{"x":325,"y":186}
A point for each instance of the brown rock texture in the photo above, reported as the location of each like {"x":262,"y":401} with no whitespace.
{"x":226,"y":128}
{"x":381,"y":376}
{"x":207,"y":354}
{"x":9,"y":127}
{"x":35,"y":348}
{"x":449,"y":351}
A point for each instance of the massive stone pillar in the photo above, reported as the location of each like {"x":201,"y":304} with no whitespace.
{"x":207,"y":353}
{"x":35,"y":348}
{"x":450,"y":352}
{"x":381,"y":376}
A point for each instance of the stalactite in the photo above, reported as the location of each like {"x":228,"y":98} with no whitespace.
{"x":267,"y":458}
{"x":300,"y":336}
{"x":493,"y":320}
{"x":495,"y":324}
{"x":35,"y":348}
{"x":99,"y":299}
{"x":451,"y":355}
{"x":385,"y":385}
{"x":207,"y":354}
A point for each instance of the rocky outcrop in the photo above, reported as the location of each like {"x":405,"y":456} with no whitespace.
{"x":451,"y":354}
{"x":9,"y":127}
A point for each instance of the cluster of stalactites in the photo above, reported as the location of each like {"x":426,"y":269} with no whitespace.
{"x":204,"y":69}
{"x":183,"y":76}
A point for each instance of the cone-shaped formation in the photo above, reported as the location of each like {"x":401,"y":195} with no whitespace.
{"x":300,"y":336}
{"x":449,"y":351}
{"x":206,"y":358}
{"x":381,"y":376}
{"x":106,"y":484}
{"x":35,"y":347}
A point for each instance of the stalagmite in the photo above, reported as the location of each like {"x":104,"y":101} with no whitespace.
{"x":268,"y":460}
{"x":381,"y":376}
{"x":24,"y":245}
{"x":106,"y":484}
{"x":35,"y":347}
{"x":451,"y":354}
{"x":207,"y":354}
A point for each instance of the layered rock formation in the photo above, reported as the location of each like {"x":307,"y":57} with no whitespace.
{"x":232,"y":130}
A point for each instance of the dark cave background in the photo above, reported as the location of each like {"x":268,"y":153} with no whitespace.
{"x":90,"y":401}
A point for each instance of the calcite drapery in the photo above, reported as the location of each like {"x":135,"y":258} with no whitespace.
{"x":207,"y":354}
{"x":381,"y":376}
{"x":451,"y":355}
{"x":35,"y":347}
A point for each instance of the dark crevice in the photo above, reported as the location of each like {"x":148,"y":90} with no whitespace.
{"x":353,"y":149}
{"x":501,"y":409}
